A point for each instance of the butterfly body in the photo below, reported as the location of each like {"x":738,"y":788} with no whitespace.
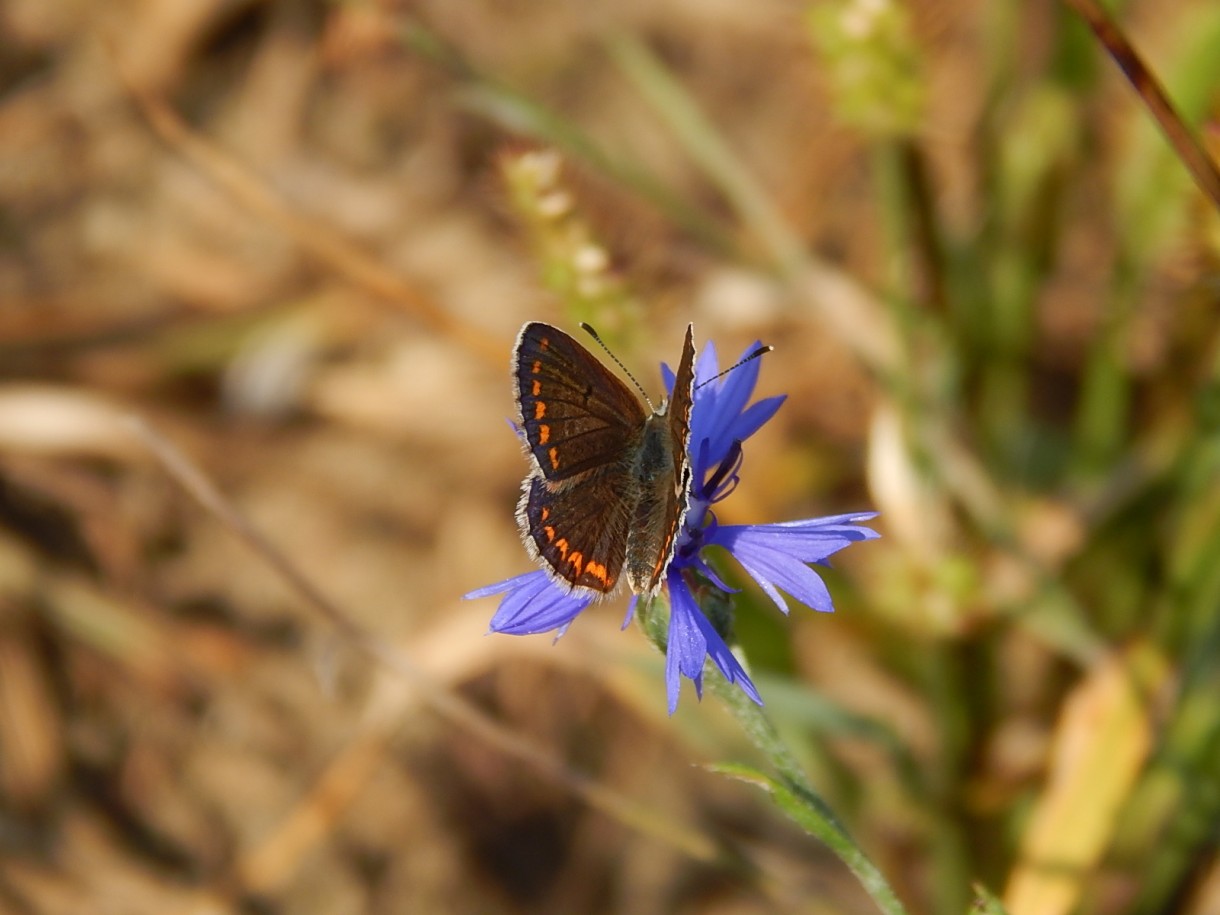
{"x":607,"y":489}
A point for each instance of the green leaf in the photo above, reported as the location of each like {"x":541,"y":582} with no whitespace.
{"x":809,"y":812}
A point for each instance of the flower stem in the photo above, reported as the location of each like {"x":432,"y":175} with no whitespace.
{"x":794,"y":794}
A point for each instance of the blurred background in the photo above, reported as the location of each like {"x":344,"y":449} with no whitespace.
{"x":298,"y":239}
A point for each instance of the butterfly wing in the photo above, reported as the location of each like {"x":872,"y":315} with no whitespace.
{"x":578,"y":534}
{"x":577,"y":416}
{"x":661,"y":511}
{"x":680,"y":403}
{"x":580,"y":424}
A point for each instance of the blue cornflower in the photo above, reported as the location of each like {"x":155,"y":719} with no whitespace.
{"x":776,"y":556}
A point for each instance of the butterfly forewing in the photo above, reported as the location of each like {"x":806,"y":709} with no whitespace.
{"x":576,"y":415}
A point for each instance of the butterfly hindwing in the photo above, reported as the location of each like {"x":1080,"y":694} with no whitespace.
{"x":577,"y":532}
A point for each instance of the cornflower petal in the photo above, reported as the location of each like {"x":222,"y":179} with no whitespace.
{"x":775,"y":555}
{"x":687,"y":645}
{"x":774,"y":569}
{"x":532,"y":604}
{"x":810,"y":539}
{"x":710,"y":574}
{"x":692,"y":638}
{"x":756,"y":416}
{"x":727,"y":396}
{"x":721,"y":402}
{"x":631,"y":604}
{"x":722,"y":416}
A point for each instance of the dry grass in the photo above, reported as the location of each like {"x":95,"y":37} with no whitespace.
{"x":280,"y":233}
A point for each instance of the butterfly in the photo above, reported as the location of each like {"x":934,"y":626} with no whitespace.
{"x":609,"y":480}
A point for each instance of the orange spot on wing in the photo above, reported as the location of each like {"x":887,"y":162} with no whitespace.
{"x":544,"y":436}
{"x":544,"y":343}
{"x":536,"y":368}
{"x":562,"y":545}
{"x":545,"y":513}
{"x":539,"y":409}
{"x":553,"y":454}
{"x":549,"y":531}
{"x":598,"y":571}
{"x":536,"y":389}
{"x":665,"y":557}
{"x":576,"y":560}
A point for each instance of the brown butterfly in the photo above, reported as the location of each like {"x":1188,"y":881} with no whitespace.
{"x":609,"y":480}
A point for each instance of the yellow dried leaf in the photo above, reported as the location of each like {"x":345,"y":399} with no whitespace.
{"x":1102,"y":739}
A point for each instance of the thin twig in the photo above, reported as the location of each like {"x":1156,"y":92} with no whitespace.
{"x":1201,"y":166}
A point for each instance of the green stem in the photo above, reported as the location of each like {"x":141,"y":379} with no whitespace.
{"x":796,"y":796}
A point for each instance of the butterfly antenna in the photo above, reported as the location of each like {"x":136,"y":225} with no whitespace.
{"x":761,"y":351}
{"x":600,"y":342}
